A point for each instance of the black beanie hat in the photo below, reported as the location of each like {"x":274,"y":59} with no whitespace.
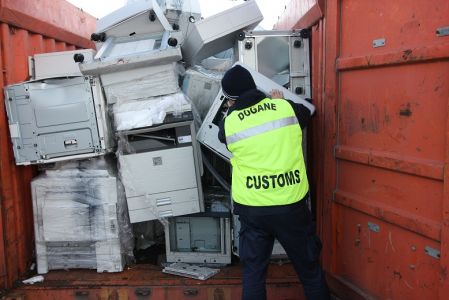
{"x":236,"y":81}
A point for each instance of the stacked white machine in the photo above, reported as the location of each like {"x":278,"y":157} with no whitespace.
{"x":80,"y":210}
{"x":201,"y":238}
{"x":160,"y":169}
{"x":80,"y":217}
{"x":80,"y":220}
{"x":56,"y":117}
{"x":158,"y":154}
{"x":205,"y":238}
{"x":137,"y":59}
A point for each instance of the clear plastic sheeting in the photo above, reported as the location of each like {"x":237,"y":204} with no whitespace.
{"x":81,"y":218}
{"x":139,"y":84}
{"x":220,"y":62}
{"x":145,"y":113}
{"x":202,"y":86}
{"x":217,"y":64}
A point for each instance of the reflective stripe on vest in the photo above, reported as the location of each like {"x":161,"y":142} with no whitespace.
{"x":272,"y":125}
{"x":268,"y":164}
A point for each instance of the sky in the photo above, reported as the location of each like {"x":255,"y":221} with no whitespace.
{"x":270,"y":9}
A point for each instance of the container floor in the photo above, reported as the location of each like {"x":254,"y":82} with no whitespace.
{"x":147,"y":281}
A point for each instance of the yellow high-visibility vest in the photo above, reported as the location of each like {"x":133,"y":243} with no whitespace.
{"x":267,"y":165}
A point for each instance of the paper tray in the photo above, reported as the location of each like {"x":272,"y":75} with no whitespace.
{"x":186,"y":270}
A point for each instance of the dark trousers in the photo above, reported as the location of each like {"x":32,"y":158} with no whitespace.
{"x":296,"y":233}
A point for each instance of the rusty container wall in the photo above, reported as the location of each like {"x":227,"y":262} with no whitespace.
{"x":27,"y":28}
{"x":380,"y":144}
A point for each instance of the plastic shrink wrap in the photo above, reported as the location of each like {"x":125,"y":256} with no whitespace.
{"x":159,"y":162}
{"x":219,"y":62}
{"x":161,"y":171}
{"x":139,"y":84}
{"x":81,"y":218}
{"x":144,"y":113}
{"x":202,"y":86}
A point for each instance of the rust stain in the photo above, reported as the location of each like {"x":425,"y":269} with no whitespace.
{"x":405,"y":111}
{"x":407,"y":54}
{"x":443,"y":273}
{"x":411,"y":26}
{"x":360,"y":118}
{"x":397,"y":274}
{"x":219,"y":294}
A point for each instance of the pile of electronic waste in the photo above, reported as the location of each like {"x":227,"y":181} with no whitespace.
{"x":114,"y":132}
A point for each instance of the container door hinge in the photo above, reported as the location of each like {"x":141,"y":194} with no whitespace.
{"x":31,"y":68}
{"x":143,"y":292}
{"x":190,"y":292}
{"x":81,"y":294}
{"x":14,"y":297}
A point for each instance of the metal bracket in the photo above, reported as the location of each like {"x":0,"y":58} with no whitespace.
{"x":432,"y":252}
{"x":378,"y":43}
{"x":190,"y":292}
{"x":31,"y":68}
{"x":81,"y":294}
{"x":142,"y":292}
{"x":373,"y":227}
{"x":442,"y":31}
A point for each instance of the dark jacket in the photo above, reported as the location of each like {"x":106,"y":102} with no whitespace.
{"x":249,"y":99}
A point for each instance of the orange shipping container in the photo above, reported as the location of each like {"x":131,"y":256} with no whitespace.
{"x":379,"y":149}
{"x":381,"y":143}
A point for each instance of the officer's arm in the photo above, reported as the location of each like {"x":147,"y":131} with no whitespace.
{"x":302,"y":113}
{"x":221,"y":132}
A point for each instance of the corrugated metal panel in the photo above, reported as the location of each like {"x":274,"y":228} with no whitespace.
{"x":382,"y":135}
{"x":55,"y":19}
{"x":16,"y":218}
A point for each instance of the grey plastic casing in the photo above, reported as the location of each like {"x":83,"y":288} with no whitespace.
{"x":219,"y":32}
{"x":58,"y":119}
